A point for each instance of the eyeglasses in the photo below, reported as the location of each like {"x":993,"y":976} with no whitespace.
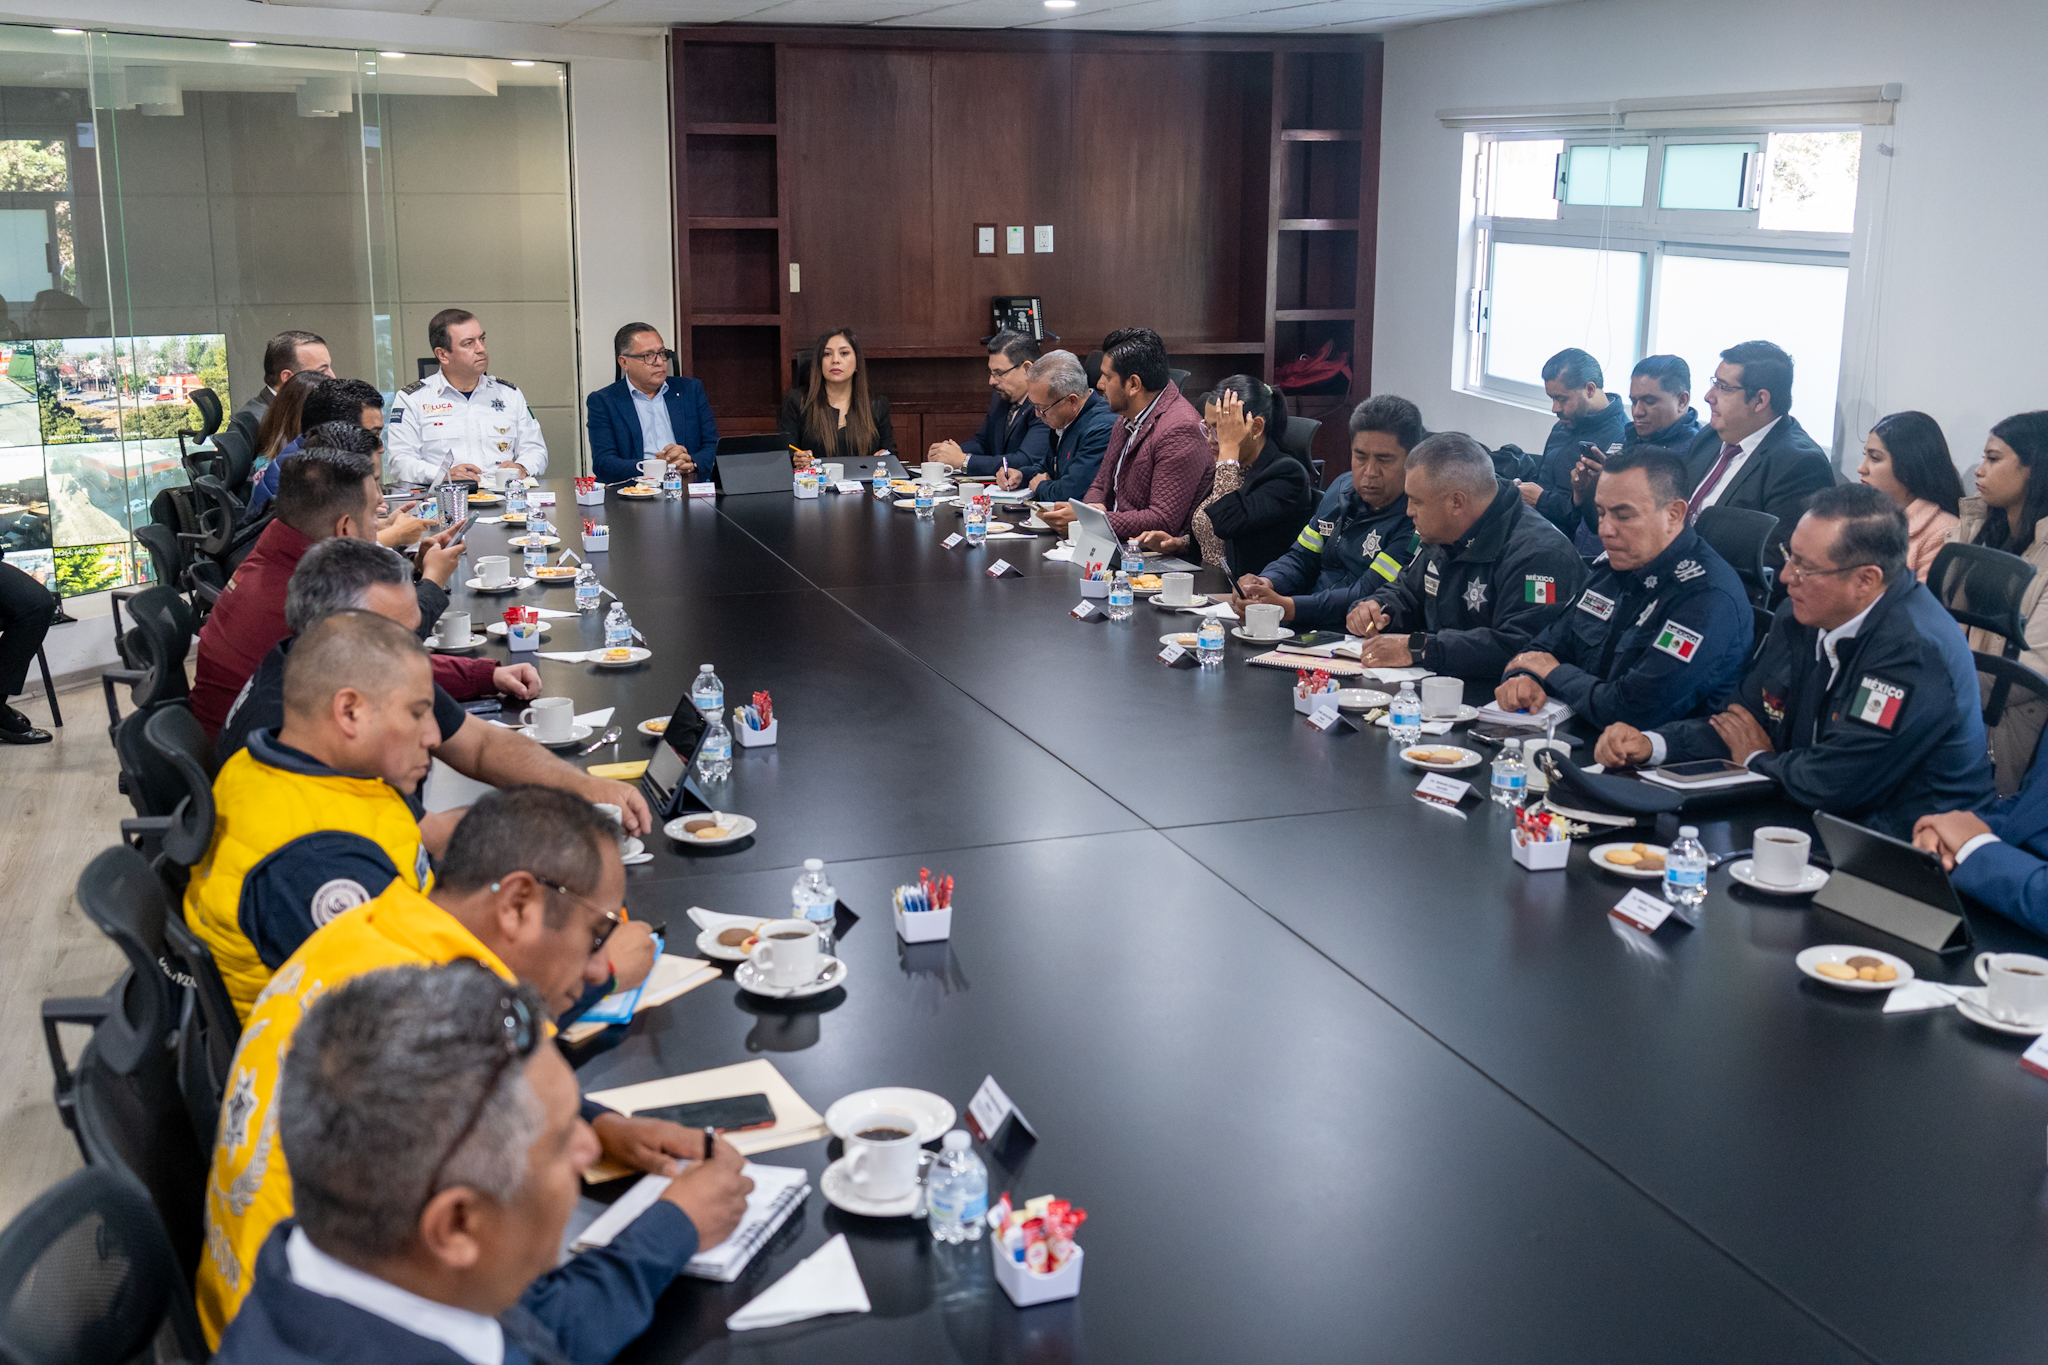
{"x":1043,"y":408}
{"x":612,"y":918}
{"x":644,"y":357}
{"x":519,"y":1038}
{"x":1795,"y":572}
{"x":1720,"y":385}
{"x":998,"y":374}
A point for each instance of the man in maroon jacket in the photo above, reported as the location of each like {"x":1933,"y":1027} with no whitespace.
{"x":1158,"y":467}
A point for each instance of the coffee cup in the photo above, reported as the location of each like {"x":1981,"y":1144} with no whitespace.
{"x":613,"y":813}
{"x":970,"y":489}
{"x":487,"y":482}
{"x":787,"y":953}
{"x":494,"y":571}
{"x":934,"y":471}
{"x":553,"y":719}
{"x":882,"y":1155}
{"x":2016,"y":987}
{"x":1777,"y":856}
{"x":1441,"y":697}
{"x":454,"y":629}
{"x":1177,"y":589}
{"x":1262,"y":620}
{"x":834,"y":473}
{"x":652,"y":470}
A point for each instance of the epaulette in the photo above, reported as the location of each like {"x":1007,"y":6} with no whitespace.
{"x":414,"y":387}
{"x":500,"y":379}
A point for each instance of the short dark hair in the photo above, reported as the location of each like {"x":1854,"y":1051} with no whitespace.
{"x":623,"y":338}
{"x":1137,"y":353}
{"x":345,"y":435}
{"x":1872,"y":528}
{"x":552,"y":834}
{"x":438,"y":325}
{"x":1764,"y":365}
{"x":1390,"y":415}
{"x":339,"y":400}
{"x":1671,"y":372}
{"x":316,"y":486}
{"x":1014,"y":347}
{"x":1574,"y":367}
{"x":1920,"y":459}
{"x":281,"y":353}
{"x":1663,"y":468}
{"x":336,"y":575}
{"x":1456,"y":459}
{"x":348,"y":648}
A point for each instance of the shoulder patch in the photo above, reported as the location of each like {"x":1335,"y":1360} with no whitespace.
{"x":1687,"y":570}
{"x":414,"y":387}
{"x":1537,"y":587}
{"x":1595,"y":605}
{"x":1878,"y":702}
{"x":1678,"y":642}
{"x":503,"y":382}
{"x":337,"y":897}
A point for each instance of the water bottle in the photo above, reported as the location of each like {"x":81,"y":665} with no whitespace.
{"x":714,"y":755}
{"x":618,"y":628}
{"x":977,"y":523}
{"x":515,"y":497}
{"x":882,"y":489}
{"x":816,"y":901}
{"x":707,"y":693}
{"x":1120,"y":598}
{"x":1685,"y":874}
{"x":1404,"y":717}
{"x":672,"y":485}
{"x":1134,"y":560}
{"x":1510,"y":778}
{"x":588,"y":593}
{"x":956,"y":1191}
{"x":533,"y":554}
{"x":1209,"y":642}
{"x":924,"y":501}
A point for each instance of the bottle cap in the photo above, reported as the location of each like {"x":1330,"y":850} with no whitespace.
{"x":701,"y":668}
{"x":1688,"y":832}
{"x":814,"y":864}
{"x":1513,"y":746}
{"x":956,"y":1141}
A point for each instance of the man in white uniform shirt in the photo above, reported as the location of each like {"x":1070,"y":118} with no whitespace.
{"x":460,"y":420}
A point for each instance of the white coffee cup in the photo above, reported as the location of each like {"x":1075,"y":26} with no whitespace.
{"x":787,"y":954}
{"x":1177,"y":589}
{"x":453,"y":628}
{"x":2017,"y":986}
{"x":971,"y":488}
{"x":652,"y":470}
{"x":1441,"y":697}
{"x":494,"y":571}
{"x":834,"y":473}
{"x":1262,"y":620}
{"x":882,"y":1154}
{"x":487,"y":482}
{"x":553,"y":719}
{"x":1537,"y":780}
{"x":1778,"y":854}
{"x":934,"y":471}
{"x":613,"y":813}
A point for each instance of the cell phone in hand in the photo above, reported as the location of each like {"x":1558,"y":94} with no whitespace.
{"x":462,"y":531}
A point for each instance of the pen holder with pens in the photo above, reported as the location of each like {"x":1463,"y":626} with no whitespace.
{"x":1092,"y":586}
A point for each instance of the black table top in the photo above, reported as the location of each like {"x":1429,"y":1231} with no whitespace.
{"x":1331,"y":1074}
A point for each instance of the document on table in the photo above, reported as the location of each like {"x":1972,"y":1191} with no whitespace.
{"x":1552,"y":712}
{"x":777,"y":1192}
{"x":795,"y":1121}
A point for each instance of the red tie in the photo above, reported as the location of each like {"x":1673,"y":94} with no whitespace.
{"x":1699,"y":495}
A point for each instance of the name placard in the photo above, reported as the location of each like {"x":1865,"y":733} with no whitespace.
{"x":1003,"y":568}
{"x":990,"y":1110}
{"x":1641,"y":910}
{"x":707,"y":489}
{"x":1083,"y":611}
{"x":950,"y":541}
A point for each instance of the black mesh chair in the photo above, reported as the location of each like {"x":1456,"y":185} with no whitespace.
{"x":170,"y":779}
{"x":1180,"y":379}
{"x":234,"y":455}
{"x":211,"y":1029}
{"x":155,"y":647}
{"x":1985,"y":588}
{"x":211,"y":414}
{"x":88,"y":1277}
{"x":1741,"y":536}
{"x":167,"y":569}
{"x":2002,"y":675}
{"x":206,"y":549}
{"x":1297,"y":436}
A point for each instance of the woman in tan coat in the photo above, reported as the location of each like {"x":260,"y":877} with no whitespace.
{"x":1906,"y":458}
{"x":2010,"y":513}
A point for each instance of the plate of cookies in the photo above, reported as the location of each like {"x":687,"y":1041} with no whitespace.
{"x":1440,"y":758}
{"x":709,"y":830}
{"x":730,"y":944}
{"x":1854,"y":969}
{"x":1630,"y":860}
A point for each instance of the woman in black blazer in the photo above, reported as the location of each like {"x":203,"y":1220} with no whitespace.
{"x":834,"y":417}
{"x":1262,"y":495}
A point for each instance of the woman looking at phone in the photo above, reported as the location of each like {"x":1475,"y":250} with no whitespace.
{"x":834,"y":416}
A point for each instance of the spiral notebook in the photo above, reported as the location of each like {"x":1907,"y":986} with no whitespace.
{"x":778,"y":1190}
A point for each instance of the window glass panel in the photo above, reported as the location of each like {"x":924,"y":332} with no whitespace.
{"x":1810,"y":182}
{"x":1545,"y":298}
{"x":1703,"y":175}
{"x":1525,"y":178}
{"x":1705,"y":305}
{"x":1606,"y":175}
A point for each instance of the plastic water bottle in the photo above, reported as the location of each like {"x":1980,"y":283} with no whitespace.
{"x":1134,"y":559}
{"x":956,"y":1191}
{"x":672,"y":485}
{"x":532,"y":555}
{"x":1120,"y":598}
{"x":515,"y":497}
{"x":1510,"y":778}
{"x":1404,"y":717}
{"x":714,"y":755}
{"x":977,"y":523}
{"x":588,"y":594}
{"x":816,"y":901}
{"x":1209,"y":642}
{"x":707,"y":693}
{"x":882,"y":489}
{"x":1685,"y":874}
{"x":924,"y":501}
{"x":618,"y":628}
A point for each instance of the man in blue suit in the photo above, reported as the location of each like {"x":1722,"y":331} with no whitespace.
{"x":649,"y":414}
{"x":1078,"y":422}
{"x":1011,"y":436}
{"x":1999,"y":856}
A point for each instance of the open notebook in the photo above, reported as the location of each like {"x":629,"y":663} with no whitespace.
{"x":672,"y":976}
{"x":778,"y":1190}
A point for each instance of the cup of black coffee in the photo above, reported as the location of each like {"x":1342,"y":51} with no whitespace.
{"x":882,"y":1155}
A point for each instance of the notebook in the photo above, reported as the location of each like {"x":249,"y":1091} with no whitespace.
{"x":672,"y":976}
{"x":778,"y":1190}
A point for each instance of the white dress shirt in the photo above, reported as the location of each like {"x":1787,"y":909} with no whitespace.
{"x":433,"y":426}
{"x":657,"y":433}
{"x":476,"y":1338}
{"x":1748,"y":444}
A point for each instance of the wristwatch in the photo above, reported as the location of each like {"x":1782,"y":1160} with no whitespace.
{"x":1418,"y":641}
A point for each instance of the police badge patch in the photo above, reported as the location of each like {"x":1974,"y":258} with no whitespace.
{"x":1370,"y":546}
{"x":1602,"y":608}
{"x":336,"y":898}
{"x":1475,"y":595}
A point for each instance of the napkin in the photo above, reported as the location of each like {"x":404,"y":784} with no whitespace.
{"x":574,"y":656}
{"x":1397,"y":675}
{"x":1429,"y":727}
{"x":550,"y":614}
{"x":826,"y":1281}
{"x":1217,"y":609}
{"x":1062,"y":554}
{"x":1922,"y":994}
{"x":711,"y":919}
{"x":489,"y":521}
{"x":596,"y":719}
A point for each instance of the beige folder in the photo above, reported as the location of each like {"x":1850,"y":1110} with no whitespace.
{"x":795,"y":1121}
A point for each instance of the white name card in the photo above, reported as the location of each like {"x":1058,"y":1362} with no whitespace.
{"x":1170,"y":653}
{"x":950,"y":541}
{"x":1642,"y":910}
{"x":1448,"y":790}
{"x":1323,"y":717}
{"x":1082,"y":612}
{"x":1003,"y":568}
{"x":707,"y":489}
{"x":848,"y":486}
{"x":2035,"y":1058}
{"x":991,"y":1108}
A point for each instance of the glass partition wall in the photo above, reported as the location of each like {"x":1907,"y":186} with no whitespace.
{"x":168,"y":204}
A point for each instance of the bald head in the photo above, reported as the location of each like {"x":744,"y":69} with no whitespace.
{"x":359,"y":697}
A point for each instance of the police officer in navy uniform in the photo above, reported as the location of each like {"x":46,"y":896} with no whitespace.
{"x":1663,"y":628}
{"x":460,"y":420}
{"x":1492,"y":572}
{"x":1863,"y":701}
{"x":1360,"y":533}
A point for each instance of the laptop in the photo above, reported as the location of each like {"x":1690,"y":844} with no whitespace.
{"x":862,"y":467}
{"x":669,"y":783}
{"x":753,"y":464}
{"x":1890,"y":885}
{"x":1094,"y":542}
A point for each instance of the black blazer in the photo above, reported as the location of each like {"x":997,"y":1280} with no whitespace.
{"x":1258,"y":521}
{"x":790,"y":422}
{"x":1784,"y":471}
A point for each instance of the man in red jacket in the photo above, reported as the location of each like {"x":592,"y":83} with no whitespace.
{"x":1158,"y":467}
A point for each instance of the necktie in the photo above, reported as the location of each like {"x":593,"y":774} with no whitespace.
{"x":1699,"y":495}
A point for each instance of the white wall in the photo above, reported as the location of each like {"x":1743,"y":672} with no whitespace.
{"x":1960,"y":293}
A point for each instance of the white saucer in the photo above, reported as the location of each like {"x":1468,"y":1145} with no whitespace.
{"x":1173,"y":638}
{"x":653,"y":733}
{"x":1465,"y":713}
{"x":637,"y":656}
{"x":632,"y":848}
{"x":1842,"y":952}
{"x":740,"y":825}
{"x":838,"y":1188}
{"x":751,"y":982}
{"x":1973,"y":1012}
{"x":640,"y":491}
{"x":577,"y":734}
{"x":524,"y":541}
{"x":509,"y":585}
{"x":434,"y":642}
{"x":1286,"y":633}
{"x":1811,"y":879}
{"x":499,"y":627}
{"x":1470,"y":759}
{"x":1599,"y":857}
{"x":635,"y":859}
{"x":1198,"y":600}
{"x":934,"y":1113}
{"x":1362,"y":699}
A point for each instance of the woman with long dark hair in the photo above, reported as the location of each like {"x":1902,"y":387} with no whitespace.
{"x":283,"y":418}
{"x":834,"y":416}
{"x":1906,"y":458}
{"x":2010,"y":513}
{"x":1261,"y":496}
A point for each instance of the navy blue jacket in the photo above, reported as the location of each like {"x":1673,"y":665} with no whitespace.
{"x":583,"y":1313}
{"x":1676,"y":438}
{"x":1898,"y":735}
{"x":1661,"y":643}
{"x":1071,"y":460}
{"x":1008,"y":432}
{"x":1346,"y":544}
{"x":2012,"y":876}
{"x":1561,"y":452}
{"x":617,"y":445}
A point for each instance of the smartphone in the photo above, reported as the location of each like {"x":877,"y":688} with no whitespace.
{"x":1495,"y":733}
{"x":1700,"y":770}
{"x":1312,"y":639}
{"x":462,"y":531}
{"x":484,"y":706}
{"x":734,"y":1114}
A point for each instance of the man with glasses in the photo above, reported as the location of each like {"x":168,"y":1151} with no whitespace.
{"x":1078,"y":423}
{"x":531,"y":888}
{"x":1863,"y":701}
{"x":649,"y":414}
{"x":1012,"y":433}
{"x":1753,"y":453}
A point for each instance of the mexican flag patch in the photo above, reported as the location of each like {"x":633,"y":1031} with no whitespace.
{"x":1678,"y":642}
{"x":1877,"y":702}
{"x":1538,"y":588}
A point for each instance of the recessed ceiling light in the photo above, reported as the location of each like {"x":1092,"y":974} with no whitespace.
{"x":1061,"y":4}
{"x":67,"y":32}
{"x":522,"y":63}
{"x":390,"y":54}
{"x":241,"y":44}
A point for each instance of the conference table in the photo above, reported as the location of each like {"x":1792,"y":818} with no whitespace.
{"x":1333,"y":1077}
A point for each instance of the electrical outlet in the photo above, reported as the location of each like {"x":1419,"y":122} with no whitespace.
{"x":1041,"y":238}
{"x":984,"y":239}
{"x":1016,"y":241}
{"x":796,"y":279}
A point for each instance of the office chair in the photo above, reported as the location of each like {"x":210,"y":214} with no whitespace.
{"x":1297,"y":436}
{"x":175,"y":762}
{"x":1179,"y":378}
{"x":1741,"y":536}
{"x":211,"y":415}
{"x":167,"y":568}
{"x":2004,"y":675}
{"x":1985,"y":588}
{"x":156,"y":644}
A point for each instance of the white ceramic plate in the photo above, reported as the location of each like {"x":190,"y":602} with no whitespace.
{"x":1466,"y":713}
{"x":1469,"y":759}
{"x":1361,"y":699}
{"x":1966,"y":1007}
{"x":640,"y":491}
{"x":708,"y":944}
{"x":1842,"y":952}
{"x":1174,"y":639}
{"x":996,"y":528}
{"x":654,"y":728}
{"x":1286,"y":633}
{"x":752,"y":983}
{"x":739,"y":826}
{"x":934,"y":1113}
{"x":544,"y":541}
{"x":637,"y":656}
{"x":509,"y":585}
{"x":498,"y":628}
{"x":556,"y":575}
{"x":577,"y":734}
{"x":485,"y":499}
{"x":1198,"y":600}
{"x":631,"y":848}
{"x":513,"y":519}
{"x":840,"y":1192}
{"x":1600,"y":852}
{"x":1812,"y":879}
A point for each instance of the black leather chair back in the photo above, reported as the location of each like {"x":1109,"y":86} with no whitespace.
{"x":1740,"y":535}
{"x":1985,"y":588}
{"x":166,"y":555}
{"x":179,"y":753}
{"x":157,"y":643}
{"x":1297,"y":436}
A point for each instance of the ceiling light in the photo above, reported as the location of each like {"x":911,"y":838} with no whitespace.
{"x":522,"y":63}
{"x":67,"y":32}
{"x":241,"y":44}
{"x":390,"y":54}
{"x":1061,"y":4}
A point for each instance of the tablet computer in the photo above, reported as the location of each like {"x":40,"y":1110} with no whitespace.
{"x":669,"y":784}
{"x":1888,"y":884}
